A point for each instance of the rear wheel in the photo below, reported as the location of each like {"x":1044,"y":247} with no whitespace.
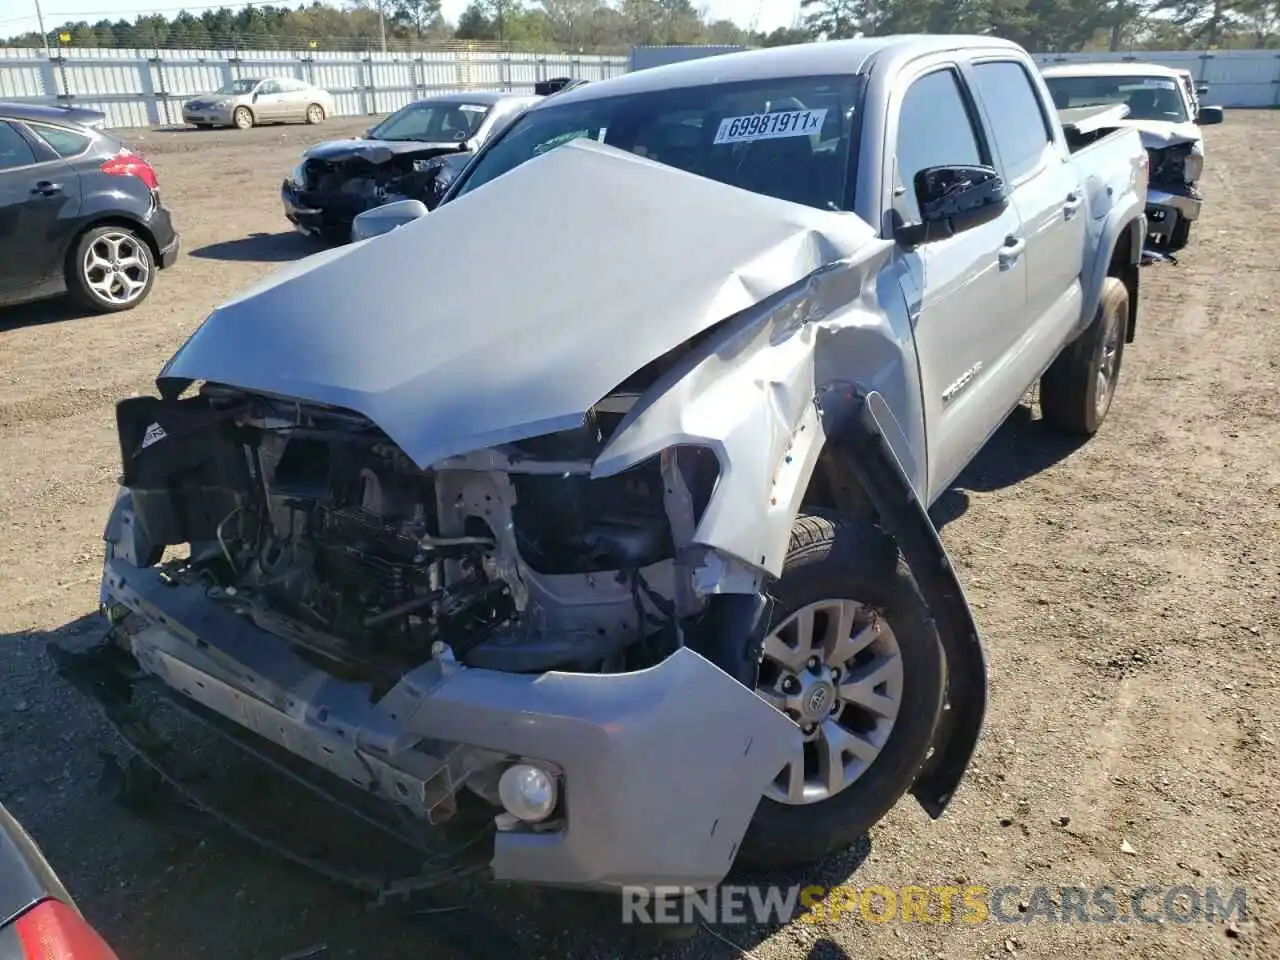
{"x":855,"y":659}
{"x":1077,"y":389}
{"x":242,"y":118}
{"x":315,"y":113}
{"x":110,"y":269}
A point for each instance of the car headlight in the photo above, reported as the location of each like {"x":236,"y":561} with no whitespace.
{"x":220,"y":104}
{"x":1194,"y":165}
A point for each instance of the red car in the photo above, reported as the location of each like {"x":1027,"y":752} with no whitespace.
{"x":38,"y":918}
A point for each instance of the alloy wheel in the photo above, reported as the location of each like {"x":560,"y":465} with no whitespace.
{"x":836,"y":669}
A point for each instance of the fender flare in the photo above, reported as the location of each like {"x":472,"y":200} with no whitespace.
{"x":858,"y":434}
{"x":1118,"y":221}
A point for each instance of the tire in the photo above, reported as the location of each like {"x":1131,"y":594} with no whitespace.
{"x":1180,"y":236}
{"x":315,"y":114}
{"x":110,"y":269}
{"x":831,"y":560}
{"x":242,"y":118}
{"x":1077,"y":390}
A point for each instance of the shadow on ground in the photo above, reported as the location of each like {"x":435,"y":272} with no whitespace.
{"x":260,"y":248}
{"x":38,"y":312}
{"x":1023,"y":447}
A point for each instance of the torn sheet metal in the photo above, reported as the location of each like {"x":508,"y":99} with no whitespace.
{"x":466,"y":328}
{"x":748,"y":393}
{"x":1158,"y":134}
{"x":1085,"y":120}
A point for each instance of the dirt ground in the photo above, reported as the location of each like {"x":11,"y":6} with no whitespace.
{"x":1127,"y":589}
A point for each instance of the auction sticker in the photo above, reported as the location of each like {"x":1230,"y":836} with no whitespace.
{"x":770,"y":126}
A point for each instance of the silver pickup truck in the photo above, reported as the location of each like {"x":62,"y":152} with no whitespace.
{"x":608,"y":513}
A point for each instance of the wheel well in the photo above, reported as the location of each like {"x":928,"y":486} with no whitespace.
{"x":119,"y":221}
{"x":1124,"y":267}
{"x":834,"y":486}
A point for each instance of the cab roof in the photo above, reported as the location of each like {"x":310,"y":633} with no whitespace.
{"x":824,"y":58}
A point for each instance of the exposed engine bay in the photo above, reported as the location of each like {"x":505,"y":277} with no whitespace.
{"x":311,"y":523}
{"x":357,"y":183}
{"x":1168,"y":165}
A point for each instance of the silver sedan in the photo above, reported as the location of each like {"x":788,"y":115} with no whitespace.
{"x":249,"y":101}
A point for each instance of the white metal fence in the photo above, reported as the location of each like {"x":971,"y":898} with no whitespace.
{"x":137,"y":90}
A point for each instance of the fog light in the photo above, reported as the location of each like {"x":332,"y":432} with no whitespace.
{"x":527,"y":792}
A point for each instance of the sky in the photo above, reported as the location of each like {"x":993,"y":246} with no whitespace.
{"x":19,"y":16}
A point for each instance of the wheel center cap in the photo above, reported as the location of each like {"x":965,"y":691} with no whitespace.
{"x":818,"y":700}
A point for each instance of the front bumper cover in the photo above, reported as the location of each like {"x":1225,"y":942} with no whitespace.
{"x":1168,"y":204}
{"x":662,"y":768}
{"x":210,"y":115}
{"x":316,"y":219}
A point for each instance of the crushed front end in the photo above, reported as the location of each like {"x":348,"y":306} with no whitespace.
{"x":1173,"y":202}
{"x":324,"y":194}
{"x":501,"y":629}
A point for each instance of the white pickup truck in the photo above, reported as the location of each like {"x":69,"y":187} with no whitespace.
{"x":1163,"y":105}
{"x":624,"y":536}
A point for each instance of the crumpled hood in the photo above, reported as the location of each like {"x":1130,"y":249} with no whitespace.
{"x":1158,"y":134}
{"x":376,"y":151}
{"x":510,"y":311}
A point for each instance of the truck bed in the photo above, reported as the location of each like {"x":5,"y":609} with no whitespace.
{"x":1085,"y":126}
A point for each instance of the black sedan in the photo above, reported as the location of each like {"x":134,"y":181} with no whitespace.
{"x":38,"y":918}
{"x":80,"y":213}
{"x":412,"y":154}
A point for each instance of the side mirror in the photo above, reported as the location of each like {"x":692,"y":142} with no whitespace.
{"x":384,"y":219}
{"x":952,"y":200}
{"x":1202,"y":89}
{"x":1210,"y":115}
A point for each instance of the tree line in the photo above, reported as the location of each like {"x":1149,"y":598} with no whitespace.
{"x":605,"y":26}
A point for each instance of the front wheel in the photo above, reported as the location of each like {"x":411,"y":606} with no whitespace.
{"x":854,"y":658}
{"x":315,"y":113}
{"x":242,"y":118}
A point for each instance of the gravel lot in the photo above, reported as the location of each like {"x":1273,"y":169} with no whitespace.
{"x":1128,"y":590}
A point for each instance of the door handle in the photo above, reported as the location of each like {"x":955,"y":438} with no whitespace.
{"x":1012,"y":249}
{"x":1071,"y":207}
{"x":46,"y":188}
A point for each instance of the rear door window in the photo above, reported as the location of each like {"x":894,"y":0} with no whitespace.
{"x":1018,"y":122}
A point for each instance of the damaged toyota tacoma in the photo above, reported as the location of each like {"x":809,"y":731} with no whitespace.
{"x":628,"y":542}
{"x":1163,"y":106}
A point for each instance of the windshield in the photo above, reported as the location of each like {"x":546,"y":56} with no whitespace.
{"x":787,"y":138}
{"x":432,"y":122}
{"x":1148,"y":98}
{"x":236,"y":87}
